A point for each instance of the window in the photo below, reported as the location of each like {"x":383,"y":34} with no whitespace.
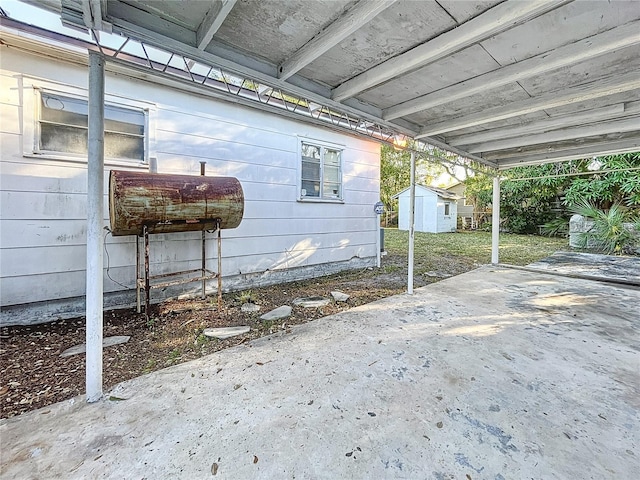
{"x":62,"y":128}
{"x":468,"y":202}
{"x":446,"y":209}
{"x":321,"y":173}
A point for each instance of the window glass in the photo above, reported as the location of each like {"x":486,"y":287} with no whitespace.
{"x":63,"y":126}
{"x":321,"y":175}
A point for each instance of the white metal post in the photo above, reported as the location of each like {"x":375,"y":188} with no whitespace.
{"x":412,"y":208}
{"x":495,"y":221}
{"x":95,"y":215}
{"x":378,"y":246}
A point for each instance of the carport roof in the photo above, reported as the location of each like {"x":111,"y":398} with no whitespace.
{"x":506,"y":82}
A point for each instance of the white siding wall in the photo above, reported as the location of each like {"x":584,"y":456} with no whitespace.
{"x":43,"y":201}
{"x":446,"y":223}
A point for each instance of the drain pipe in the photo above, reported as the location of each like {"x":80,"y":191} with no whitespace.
{"x":95,"y":216}
{"x":412,"y":205}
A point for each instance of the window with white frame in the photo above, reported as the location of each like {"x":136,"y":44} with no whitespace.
{"x":62,"y":128}
{"x":321,"y":172}
{"x":447,"y":208}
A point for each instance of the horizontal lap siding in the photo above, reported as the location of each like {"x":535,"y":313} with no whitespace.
{"x":43,"y":201}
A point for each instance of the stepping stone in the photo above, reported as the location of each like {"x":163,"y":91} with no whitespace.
{"x":277,"y":314}
{"x":437,"y":274}
{"x":250,"y":308}
{"x":226,"y":332}
{"x":106,"y":342}
{"x":339,"y":296}
{"x":311,"y":302}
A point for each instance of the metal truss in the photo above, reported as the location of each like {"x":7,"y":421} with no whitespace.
{"x":248,"y":91}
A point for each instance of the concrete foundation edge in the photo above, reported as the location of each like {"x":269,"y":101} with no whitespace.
{"x":64,"y":308}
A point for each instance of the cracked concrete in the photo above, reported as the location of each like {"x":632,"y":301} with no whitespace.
{"x":494,"y":374}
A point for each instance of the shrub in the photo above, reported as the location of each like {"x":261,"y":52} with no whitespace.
{"x":614,"y":231}
{"x":558,"y":227}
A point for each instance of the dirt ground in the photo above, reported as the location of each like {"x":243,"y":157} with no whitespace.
{"x":33,"y":375}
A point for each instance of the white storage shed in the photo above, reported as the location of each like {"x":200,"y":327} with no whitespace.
{"x":435,"y":210}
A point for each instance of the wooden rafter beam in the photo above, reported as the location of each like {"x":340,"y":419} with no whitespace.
{"x":212,"y":21}
{"x":603,"y":128}
{"x":581,"y":93}
{"x":361,"y":14}
{"x":586,"y":151}
{"x":502,"y":17}
{"x":537,"y":126}
{"x":615,"y":39}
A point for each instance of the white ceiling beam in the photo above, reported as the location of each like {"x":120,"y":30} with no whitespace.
{"x":96,"y":13}
{"x":212,"y":21}
{"x":564,"y":146}
{"x":594,"y":150}
{"x":603,"y":128}
{"x":588,"y":116}
{"x":361,"y":14}
{"x":598,"y":88}
{"x":502,"y":17}
{"x":609,"y":41}
{"x":136,"y":19}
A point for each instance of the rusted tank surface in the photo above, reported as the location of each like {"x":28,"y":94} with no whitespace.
{"x":172,"y":203}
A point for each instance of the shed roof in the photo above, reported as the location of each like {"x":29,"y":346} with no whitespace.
{"x":504,"y":82}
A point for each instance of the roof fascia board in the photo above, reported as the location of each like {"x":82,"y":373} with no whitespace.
{"x":500,"y":18}
{"x":594,"y":115}
{"x":359,"y":15}
{"x":603,"y":128}
{"x":212,"y":22}
{"x":580,"y":51}
{"x":610,"y":85}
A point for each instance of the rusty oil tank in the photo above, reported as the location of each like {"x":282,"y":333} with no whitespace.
{"x":172,"y":203}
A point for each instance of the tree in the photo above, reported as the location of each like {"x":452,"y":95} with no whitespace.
{"x":619,"y":186}
{"x":529,"y":196}
{"x":395,"y":172}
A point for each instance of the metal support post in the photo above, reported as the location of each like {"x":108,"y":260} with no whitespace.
{"x":204,"y":250}
{"x":138,"y":274}
{"x":378,"y":246}
{"x":95,"y":216}
{"x":219,"y":267}
{"x":147,"y":285}
{"x":495,"y":221}
{"x":412,"y":205}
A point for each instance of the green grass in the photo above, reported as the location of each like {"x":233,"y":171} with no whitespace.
{"x":475,"y":246}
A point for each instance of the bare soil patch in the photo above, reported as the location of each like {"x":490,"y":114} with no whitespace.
{"x":33,"y":375}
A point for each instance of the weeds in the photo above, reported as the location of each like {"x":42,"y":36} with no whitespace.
{"x":245,"y":297}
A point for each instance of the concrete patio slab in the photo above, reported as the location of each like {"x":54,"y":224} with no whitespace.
{"x":614,"y":268}
{"x":494,"y":374}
